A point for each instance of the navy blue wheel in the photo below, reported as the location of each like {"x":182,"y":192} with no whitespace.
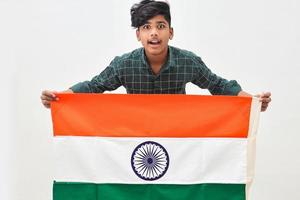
{"x":150,"y":161}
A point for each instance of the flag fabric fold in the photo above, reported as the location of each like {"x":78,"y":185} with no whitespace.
{"x":113,"y":146}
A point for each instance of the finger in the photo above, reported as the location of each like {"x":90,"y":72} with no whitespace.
{"x":266,"y":100}
{"x":267,"y":94}
{"x":265,"y":103}
{"x":49,"y":93}
{"x":263,"y":95}
{"x":43,"y":97}
{"x":46,"y":103}
{"x":264,"y":107}
{"x":257,"y":95}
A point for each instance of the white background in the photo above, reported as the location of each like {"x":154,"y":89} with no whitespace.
{"x":53,"y":44}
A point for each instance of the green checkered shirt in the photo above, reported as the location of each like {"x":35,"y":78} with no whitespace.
{"x":132,"y":71}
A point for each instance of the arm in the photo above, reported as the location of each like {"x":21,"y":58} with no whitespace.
{"x":219,"y":86}
{"x":106,"y":80}
{"x":216,"y":85}
{"x":244,"y":94}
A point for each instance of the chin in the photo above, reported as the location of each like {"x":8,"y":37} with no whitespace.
{"x":155,"y":51}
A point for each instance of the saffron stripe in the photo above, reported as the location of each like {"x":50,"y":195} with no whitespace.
{"x":114,"y":115}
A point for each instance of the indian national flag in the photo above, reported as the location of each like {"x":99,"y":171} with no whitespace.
{"x":153,"y":147}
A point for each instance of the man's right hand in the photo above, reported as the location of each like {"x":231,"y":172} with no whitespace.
{"x":48,"y":96}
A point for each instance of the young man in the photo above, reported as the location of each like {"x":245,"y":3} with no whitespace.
{"x":157,"y":68}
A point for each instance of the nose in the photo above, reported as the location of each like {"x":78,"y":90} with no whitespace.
{"x":154,"y":32}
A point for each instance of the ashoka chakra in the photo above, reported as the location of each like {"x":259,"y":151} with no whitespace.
{"x":150,"y":161}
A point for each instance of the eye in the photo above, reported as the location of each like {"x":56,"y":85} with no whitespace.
{"x":146,"y":27}
{"x":161,"y":26}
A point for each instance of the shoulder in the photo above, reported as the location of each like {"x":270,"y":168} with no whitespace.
{"x":129,"y":56}
{"x":188,"y":57}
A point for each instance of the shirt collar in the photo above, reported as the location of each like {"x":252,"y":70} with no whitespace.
{"x":170,"y":61}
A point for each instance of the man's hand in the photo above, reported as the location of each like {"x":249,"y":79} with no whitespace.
{"x":265,"y":99}
{"x":48,"y":96}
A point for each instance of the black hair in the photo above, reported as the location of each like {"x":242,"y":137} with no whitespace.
{"x":146,"y":9}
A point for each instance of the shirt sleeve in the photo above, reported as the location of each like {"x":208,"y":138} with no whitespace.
{"x":107,"y":80}
{"x":216,"y":85}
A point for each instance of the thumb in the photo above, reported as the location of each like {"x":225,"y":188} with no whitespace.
{"x":258,"y":95}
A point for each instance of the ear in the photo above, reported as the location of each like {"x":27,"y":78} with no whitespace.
{"x":171,"y":33}
{"x":137,"y":32}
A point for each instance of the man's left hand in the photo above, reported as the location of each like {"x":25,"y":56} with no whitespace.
{"x":265,"y":99}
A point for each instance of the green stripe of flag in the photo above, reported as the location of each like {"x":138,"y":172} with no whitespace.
{"x":91,"y":191}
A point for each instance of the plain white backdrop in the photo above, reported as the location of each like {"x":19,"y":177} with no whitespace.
{"x":53,"y":44}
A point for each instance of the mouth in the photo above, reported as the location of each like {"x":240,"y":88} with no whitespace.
{"x":154,"y":42}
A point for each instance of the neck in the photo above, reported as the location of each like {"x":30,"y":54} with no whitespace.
{"x":157,"y":60}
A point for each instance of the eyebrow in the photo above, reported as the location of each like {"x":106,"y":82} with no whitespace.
{"x":158,"y":22}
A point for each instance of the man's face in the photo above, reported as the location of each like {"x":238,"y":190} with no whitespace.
{"x":155,"y":35}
